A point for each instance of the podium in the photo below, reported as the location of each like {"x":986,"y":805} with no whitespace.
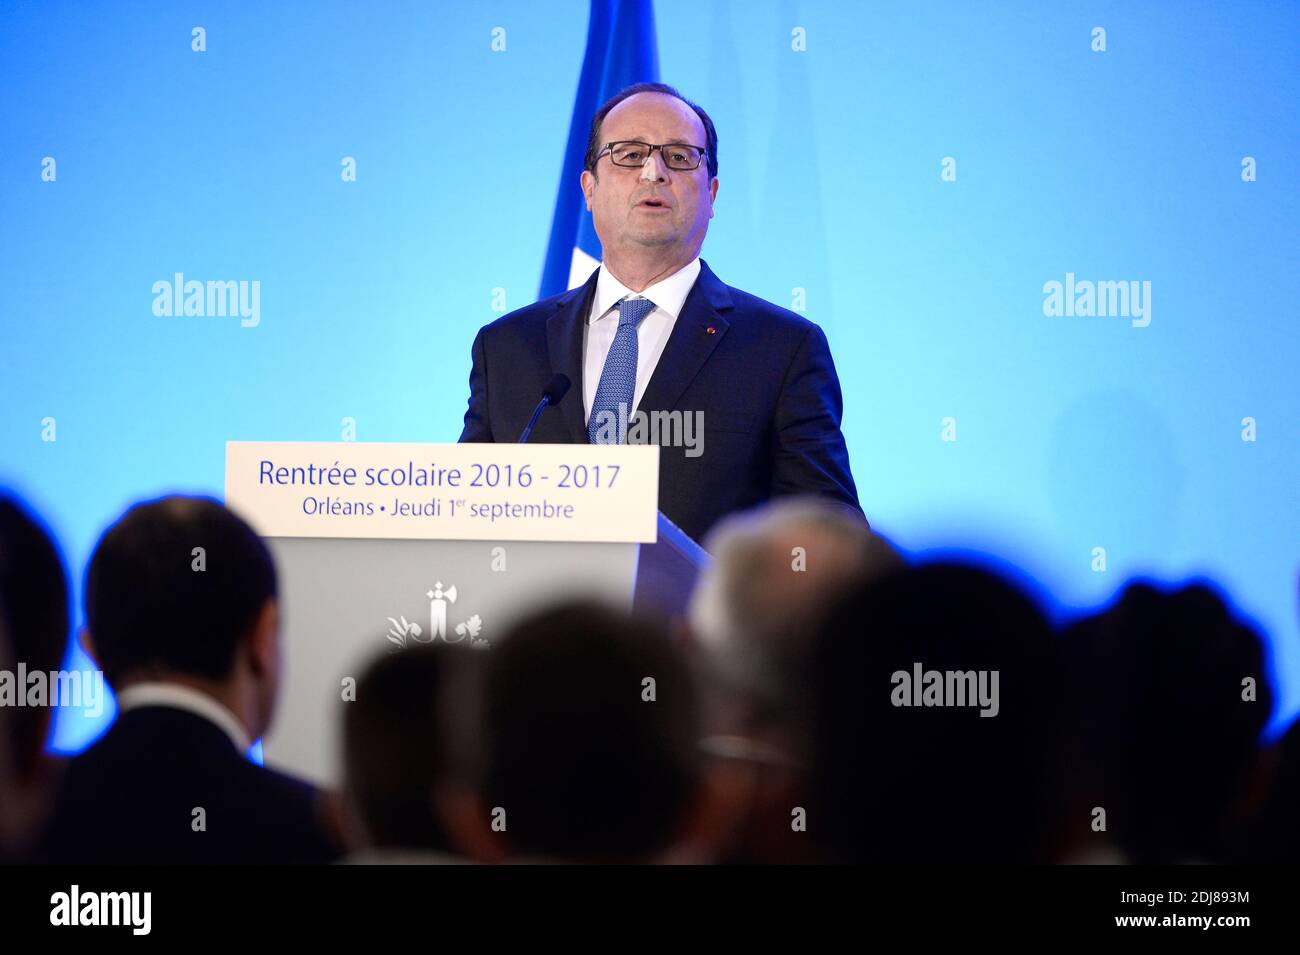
{"x":375,"y":584}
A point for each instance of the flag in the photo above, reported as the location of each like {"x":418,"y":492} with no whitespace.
{"x":621,"y":50}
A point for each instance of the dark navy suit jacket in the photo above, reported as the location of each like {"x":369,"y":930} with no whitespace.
{"x":129,"y":799}
{"x":762,"y":376}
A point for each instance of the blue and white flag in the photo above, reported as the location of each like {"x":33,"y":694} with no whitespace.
{"x":621,"y":50}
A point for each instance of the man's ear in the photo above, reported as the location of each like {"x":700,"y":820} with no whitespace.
{"x":588,"y":182}
{"x":263,"y":638}
{"x":713,"y":821}
{"x":334,"y":817}
{"x":468,"y":827}
{"x":713,"y":195}
{"x":88,"y":646}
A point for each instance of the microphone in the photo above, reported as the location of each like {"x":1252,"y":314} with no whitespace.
{"x":555,"y":390}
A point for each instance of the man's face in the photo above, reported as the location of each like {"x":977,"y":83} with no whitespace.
{"x":617,"y":196}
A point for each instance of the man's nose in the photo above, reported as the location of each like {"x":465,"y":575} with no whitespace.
{"x":651,"y":170}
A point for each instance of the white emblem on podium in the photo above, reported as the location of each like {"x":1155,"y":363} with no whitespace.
{"x":402,"y":632}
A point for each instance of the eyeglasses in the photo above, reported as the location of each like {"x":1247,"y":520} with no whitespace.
{"x":678,"y":156}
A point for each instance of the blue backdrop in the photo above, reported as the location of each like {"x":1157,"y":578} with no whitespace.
{"x":911,"y":175}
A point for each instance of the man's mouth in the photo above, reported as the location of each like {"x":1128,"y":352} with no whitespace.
{"x":652,"y":204}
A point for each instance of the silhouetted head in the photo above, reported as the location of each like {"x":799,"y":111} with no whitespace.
{"x":1175,"y":697}
{"x":757,"y":607}
{"x":589,"y":736}
{"x":34,"y":608}
{"x":1272,"y":836}
{"x":182,"y":589}
{"x":395,"y":750}
{"x":936,"y":731}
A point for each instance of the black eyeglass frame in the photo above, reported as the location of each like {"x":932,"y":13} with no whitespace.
{"x":650,"y":148}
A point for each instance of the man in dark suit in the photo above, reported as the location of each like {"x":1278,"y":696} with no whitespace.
{"x":182,"y":617}
{"x":653,"y":329}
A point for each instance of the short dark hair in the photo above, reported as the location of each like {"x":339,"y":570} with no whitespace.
{"x":34,"y":611}
{"x":1167,"y":730}
{"x":395,"y":745}
{"x":593,"y":138}
{"x":937,"y":784}
{"x":149,"y":606}
{"x":585,"y":767}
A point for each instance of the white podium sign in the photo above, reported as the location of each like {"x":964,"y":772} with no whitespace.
{"x":497,"y":492}
{"x":383,"y":546}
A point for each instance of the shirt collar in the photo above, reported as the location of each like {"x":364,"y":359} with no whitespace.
{"x":185,"y":698}
{"x":668,"y":294}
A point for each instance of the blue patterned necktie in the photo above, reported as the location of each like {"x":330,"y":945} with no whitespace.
{"x":618,"y":378}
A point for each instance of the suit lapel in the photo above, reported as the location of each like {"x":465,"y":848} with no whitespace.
{"x":564,"y":346}
{"x":686,"y":351}
{"x":690,"y":343}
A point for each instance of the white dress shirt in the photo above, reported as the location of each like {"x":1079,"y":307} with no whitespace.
{"x":191,"y":700}
{"x":668,"y":294}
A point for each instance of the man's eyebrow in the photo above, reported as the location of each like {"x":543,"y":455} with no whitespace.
{"x":647,"y":139}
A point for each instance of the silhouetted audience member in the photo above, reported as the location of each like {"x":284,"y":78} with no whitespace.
{"x":587,"y":745}
{"x":182,"y":617}
{"x":936,"y":729}
{"x":755,"y":614}
{"x":34,"y":616}
{"x":775,"y":573}
{"x":1272,"y":836}
{"x":395,"y":755}
{"x":1174,"y":699}
{"x":13,"y":832}
{"x":854,"y":709}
